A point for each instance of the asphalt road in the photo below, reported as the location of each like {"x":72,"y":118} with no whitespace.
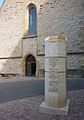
{"x":21,"y":89}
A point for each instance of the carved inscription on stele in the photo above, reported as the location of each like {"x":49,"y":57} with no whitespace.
{"x":52,"y":76}
{"x":53,"y":80}
{"x":52,"y":64}
{"x":53,"y":86}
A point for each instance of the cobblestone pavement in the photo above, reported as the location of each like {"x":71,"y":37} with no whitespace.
{"x":27,"y":108}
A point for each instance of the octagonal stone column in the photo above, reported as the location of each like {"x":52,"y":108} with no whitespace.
{"x":55,"y":77}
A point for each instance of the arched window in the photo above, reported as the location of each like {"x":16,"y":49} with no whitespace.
{"x":30,"y":26}
{"x":32,"y":22}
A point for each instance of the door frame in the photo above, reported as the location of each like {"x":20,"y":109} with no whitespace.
{"x":33,"y":60}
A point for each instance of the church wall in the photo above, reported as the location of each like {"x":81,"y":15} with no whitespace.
{"x":11,"y":24}
{"x":54,"y":17}
{"x":11,"y":66}
{"x":62,"y":17}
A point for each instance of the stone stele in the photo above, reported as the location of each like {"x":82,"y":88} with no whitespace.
{"x":55,"y":77}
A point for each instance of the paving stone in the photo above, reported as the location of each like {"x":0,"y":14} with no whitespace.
{"x":27,"y":108}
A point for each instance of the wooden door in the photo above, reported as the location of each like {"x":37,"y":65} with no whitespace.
{"x":30,"y":66}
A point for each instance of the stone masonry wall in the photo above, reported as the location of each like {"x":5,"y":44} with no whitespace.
{"x":63,"y":17}
{"x":54,"y":17}
{"x":10,"y":66}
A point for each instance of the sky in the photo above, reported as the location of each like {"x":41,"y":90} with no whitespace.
{"x":1,"y":1}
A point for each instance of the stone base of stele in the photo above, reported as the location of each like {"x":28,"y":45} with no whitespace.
{"x":44,"y":108}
